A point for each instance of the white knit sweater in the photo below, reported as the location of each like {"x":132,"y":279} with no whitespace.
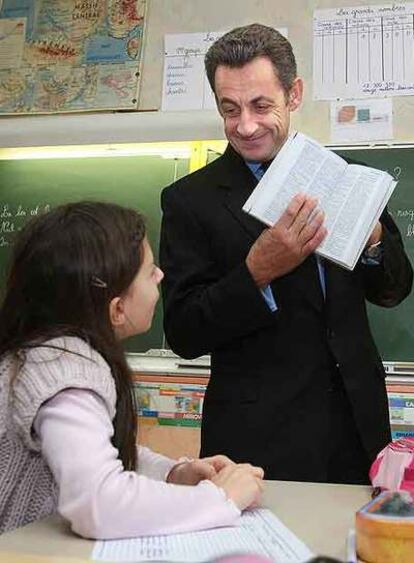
{"x":28,"y":490}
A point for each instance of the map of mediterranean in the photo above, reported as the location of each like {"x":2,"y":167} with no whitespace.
{"x":70,"y":55}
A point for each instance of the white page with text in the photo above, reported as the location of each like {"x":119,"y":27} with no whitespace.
{"x":259,"y":532}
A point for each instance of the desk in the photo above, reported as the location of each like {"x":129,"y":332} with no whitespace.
{"x":320,"y":514}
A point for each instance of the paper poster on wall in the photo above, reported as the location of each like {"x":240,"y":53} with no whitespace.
{"x":170,"y":404}
{"x":401,"y":407}
{"x":361,"y":120}
{"x":185,"y":85}
{"x":363,"y":51}
{"x":70,"y":55}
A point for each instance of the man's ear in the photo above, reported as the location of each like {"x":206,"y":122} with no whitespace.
{"x":295,"y":94}
{"x":117,"y":313}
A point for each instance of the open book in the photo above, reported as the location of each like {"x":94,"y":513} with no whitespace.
{"x":351,"y":195}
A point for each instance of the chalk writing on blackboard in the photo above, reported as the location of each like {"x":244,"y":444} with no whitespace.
{"x":397,"y":171}
{"x":14,"y":217}
{"x":405,"y":218}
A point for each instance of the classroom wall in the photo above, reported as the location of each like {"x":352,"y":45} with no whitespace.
{"x":182,"y":16}
{"x":185,"y":16}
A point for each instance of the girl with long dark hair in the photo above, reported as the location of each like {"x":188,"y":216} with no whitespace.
{"x":82,"y":279}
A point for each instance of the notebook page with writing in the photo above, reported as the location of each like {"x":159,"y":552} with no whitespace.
{"x":259,"y":532}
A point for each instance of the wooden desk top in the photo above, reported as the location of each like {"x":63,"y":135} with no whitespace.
{"x":319,"y":514}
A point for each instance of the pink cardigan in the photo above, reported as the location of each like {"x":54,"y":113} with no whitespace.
{"x":102,"y":500}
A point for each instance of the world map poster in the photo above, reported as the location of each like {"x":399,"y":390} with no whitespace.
{"x":70,"y":55}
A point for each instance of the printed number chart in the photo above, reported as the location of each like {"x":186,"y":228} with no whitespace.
{"x":365,"y":51}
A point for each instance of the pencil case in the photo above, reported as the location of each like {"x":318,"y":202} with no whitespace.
{"x":385,"y":528}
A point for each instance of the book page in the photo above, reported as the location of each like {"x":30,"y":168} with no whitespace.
{"x":365,"y":190}
{"x":387,"y":187}
{"x":302,"y":166}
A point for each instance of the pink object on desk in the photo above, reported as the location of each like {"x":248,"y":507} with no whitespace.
{"x":393,"y":468}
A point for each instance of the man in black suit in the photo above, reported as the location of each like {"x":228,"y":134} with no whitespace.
{"x":297,"y":384}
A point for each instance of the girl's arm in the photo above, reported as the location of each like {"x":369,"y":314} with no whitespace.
{"x":184,"y":471}
{"x":101,"y":499}
{"x":154,"y":465}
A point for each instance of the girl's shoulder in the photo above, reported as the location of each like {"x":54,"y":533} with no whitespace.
{"x":71,"y":349}
{"x":60,"y":363}
{"x":69,"y":361}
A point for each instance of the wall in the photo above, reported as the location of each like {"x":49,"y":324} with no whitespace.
{"x":178,"y":16}
{"x":182,"y":16}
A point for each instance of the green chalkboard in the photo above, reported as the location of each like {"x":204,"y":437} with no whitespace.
{"x":393,"y":329}
{"x":28,"y":187}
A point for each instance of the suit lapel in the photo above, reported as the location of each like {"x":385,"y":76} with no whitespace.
{"x":237,"y":183}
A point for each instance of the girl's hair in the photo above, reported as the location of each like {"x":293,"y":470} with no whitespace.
{"x":67,"y":266}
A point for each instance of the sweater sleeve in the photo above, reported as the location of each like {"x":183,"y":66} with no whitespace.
{"x":154,"y":465}
{"x":99,"y":498}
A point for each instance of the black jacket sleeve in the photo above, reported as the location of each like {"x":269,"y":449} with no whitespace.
{"x":203,"y":309}
{"x":390,"y":282}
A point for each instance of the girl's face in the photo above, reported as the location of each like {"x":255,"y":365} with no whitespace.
{"x":132,"y":312}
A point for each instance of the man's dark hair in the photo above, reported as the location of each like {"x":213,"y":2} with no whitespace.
{"x":243,"y":44}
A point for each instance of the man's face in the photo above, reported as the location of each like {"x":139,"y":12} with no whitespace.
{"x":255,"y":108}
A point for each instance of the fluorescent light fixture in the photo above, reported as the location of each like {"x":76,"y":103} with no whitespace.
{"x":171,"y":150}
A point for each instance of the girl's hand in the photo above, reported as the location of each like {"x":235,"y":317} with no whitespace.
{"x":243,"y":484}
{"x":194,"y":471}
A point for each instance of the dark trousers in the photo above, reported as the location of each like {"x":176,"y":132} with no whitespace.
{"x":348,"y":461}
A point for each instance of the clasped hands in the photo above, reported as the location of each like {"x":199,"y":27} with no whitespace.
{"x":242,"y":483}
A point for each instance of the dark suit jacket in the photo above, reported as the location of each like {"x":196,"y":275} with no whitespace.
{"x":266,"y":402}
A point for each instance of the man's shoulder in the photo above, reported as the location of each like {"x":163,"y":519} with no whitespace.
{"x":207,"y":176}
{"x":221,"y":172}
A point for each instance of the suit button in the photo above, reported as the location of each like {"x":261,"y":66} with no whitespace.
{"x":330,"y":333}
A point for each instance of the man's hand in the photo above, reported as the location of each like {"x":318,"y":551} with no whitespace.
{"x":192,"y":472}
{"x":281,"y":248}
